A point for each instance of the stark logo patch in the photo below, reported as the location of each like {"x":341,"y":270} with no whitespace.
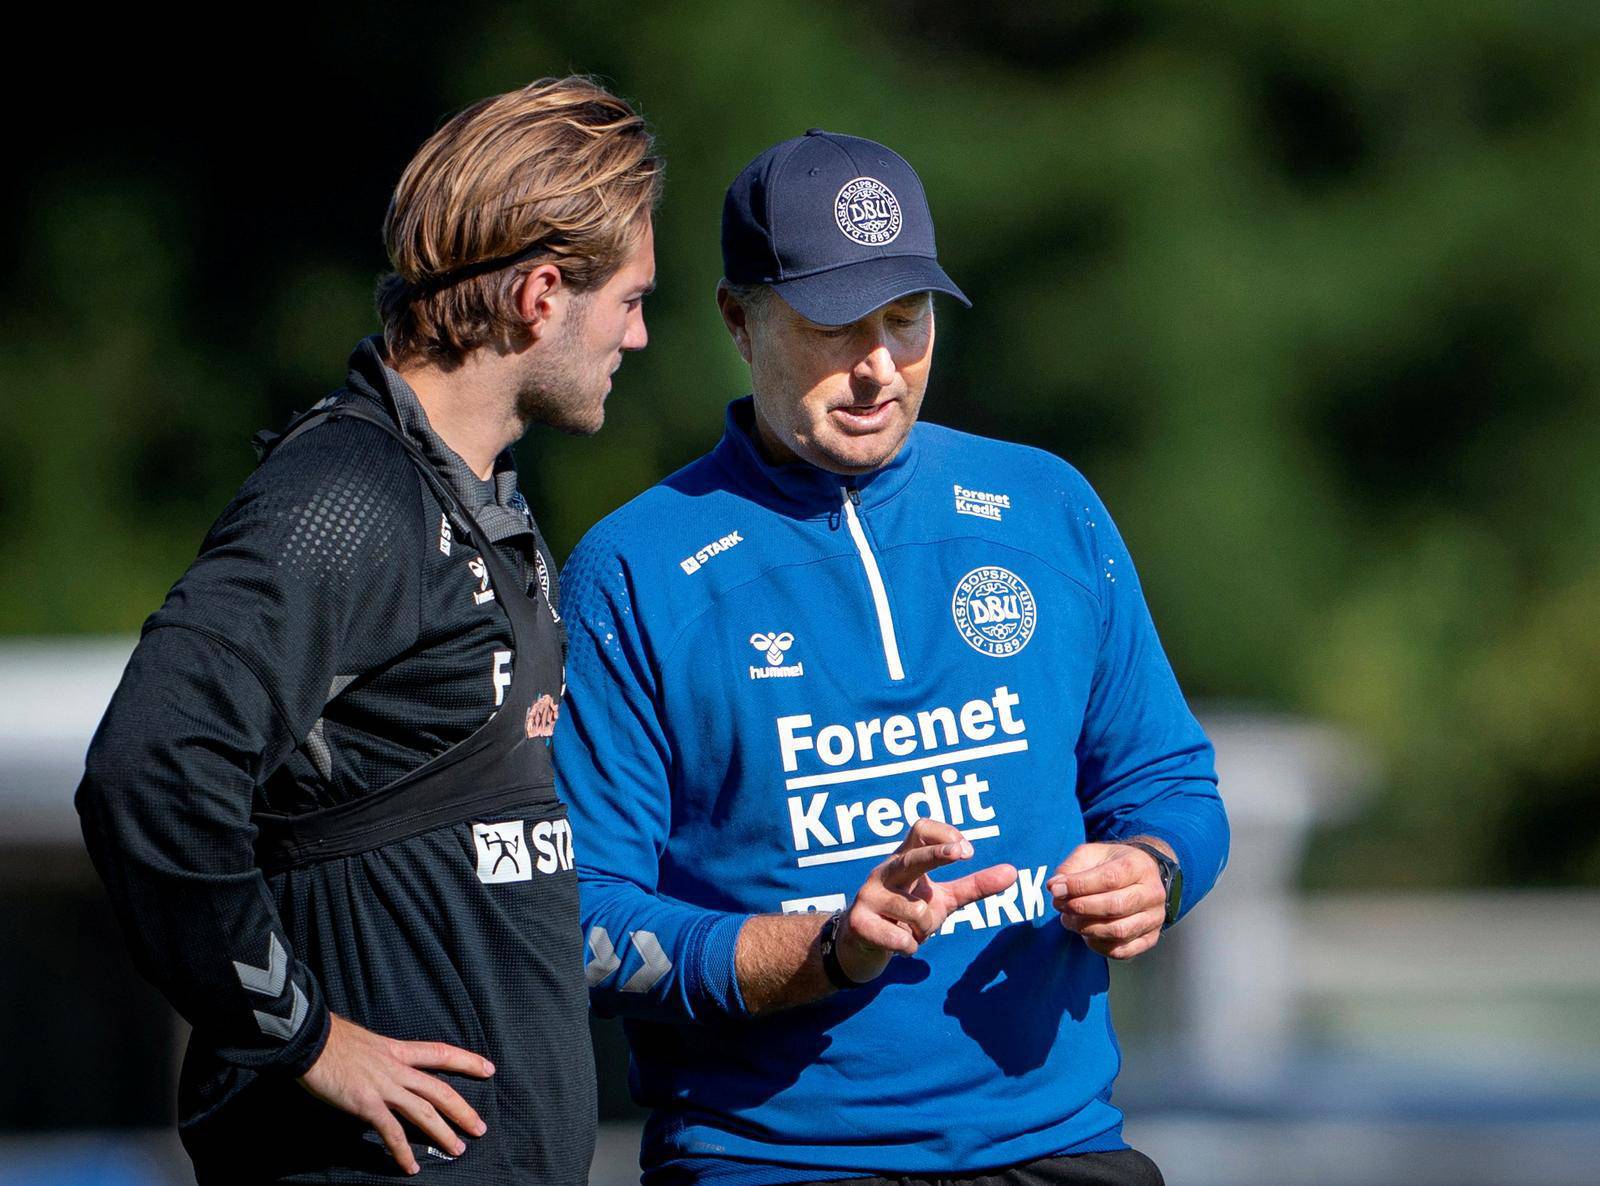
{"x":502,"y":855}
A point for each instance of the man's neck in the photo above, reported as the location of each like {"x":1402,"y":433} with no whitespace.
{"x":472,"y":407}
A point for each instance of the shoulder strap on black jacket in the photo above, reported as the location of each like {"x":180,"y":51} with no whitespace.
{"x":339,"y":406}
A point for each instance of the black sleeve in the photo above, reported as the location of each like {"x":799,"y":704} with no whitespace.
{"x":311,"y":573}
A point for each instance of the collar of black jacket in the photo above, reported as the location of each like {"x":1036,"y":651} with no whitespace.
{"x":799,"y":489}
{"x":501,"y":512}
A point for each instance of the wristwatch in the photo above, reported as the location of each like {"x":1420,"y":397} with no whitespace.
{"x":1171,"y":878}
{"x":828,"y":942}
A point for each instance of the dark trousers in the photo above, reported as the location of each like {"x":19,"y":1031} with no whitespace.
{"x":1124,"y":1167}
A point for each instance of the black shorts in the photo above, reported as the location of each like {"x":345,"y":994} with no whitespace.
{"x":1121,"y":1167}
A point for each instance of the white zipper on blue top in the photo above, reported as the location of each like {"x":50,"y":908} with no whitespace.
{"x":880,"y":595}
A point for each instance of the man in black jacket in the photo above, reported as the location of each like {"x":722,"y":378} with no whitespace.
{"x":322,"y":798}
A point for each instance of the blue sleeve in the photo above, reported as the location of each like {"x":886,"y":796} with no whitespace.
{"x":1145,"y":766}
{"x":647,"y":955}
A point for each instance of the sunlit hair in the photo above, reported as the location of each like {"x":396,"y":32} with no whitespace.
{"x":561,"y":171}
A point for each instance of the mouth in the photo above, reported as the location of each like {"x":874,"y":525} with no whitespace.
{"x":863,"y":418}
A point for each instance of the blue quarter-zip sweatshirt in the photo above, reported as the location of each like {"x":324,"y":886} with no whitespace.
{"x":772,"y":671}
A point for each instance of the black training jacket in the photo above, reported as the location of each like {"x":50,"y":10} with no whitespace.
{"x":338,"y":630}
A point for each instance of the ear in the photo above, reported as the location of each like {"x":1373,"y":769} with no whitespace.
{"x":536,"y":296}
{"x":736,"y":317}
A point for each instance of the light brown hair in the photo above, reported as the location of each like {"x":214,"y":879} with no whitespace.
{"x":561,"y":171}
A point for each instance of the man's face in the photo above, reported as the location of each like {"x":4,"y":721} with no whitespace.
{"x":570,"y":366}
{"x":842,"y":397}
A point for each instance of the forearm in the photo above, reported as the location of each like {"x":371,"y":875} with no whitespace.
{"x":1154,"y":842}
{"x":165,"y":803}
{"x":778,"y":962}
{"x":652,"y":957}
{"x":1194,"y":829}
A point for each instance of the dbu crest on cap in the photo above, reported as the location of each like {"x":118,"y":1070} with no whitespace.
{"x":868,"y":212}
{"x":994,"y":610}
{"x":837,"y":225}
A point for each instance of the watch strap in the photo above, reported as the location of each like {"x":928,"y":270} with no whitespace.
{"x":828,"y":942}
{"x":1171,"y":878}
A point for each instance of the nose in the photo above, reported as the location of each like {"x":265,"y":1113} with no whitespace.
{"x":876,"y":366}
{"x":636,"y":336}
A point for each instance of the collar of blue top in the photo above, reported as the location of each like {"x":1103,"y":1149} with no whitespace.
{"x":799,"y":489}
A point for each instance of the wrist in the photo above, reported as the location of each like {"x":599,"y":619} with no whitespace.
{"x":312,"y":1053}
{"x":841,"y":959}
{"x":1167,"y":868}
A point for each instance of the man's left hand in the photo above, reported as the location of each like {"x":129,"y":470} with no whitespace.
{"x":1111,"y":895}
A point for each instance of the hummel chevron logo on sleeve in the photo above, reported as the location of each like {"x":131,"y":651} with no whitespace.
{"x":605,"y":959}
{"x":655,"y":966}
{"x":267,"y":981}
{"x":284,"y":1027}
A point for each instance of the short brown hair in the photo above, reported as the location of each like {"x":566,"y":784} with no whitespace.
{"x":561,"y":171}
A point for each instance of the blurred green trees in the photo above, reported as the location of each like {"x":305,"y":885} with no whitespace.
{"x":1305,"y":288}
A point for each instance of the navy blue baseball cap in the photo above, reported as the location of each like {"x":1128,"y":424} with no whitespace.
{"x":837,"y":225}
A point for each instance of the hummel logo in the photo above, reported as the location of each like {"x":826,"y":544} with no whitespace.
{"x":774,"y":647}
{"x":606,"y":960}
{"x":268,"y":982}
{"x":480,"y":570}
{"x":773,"y":644}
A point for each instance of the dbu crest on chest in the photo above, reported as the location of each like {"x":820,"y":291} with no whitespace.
{"x":994,"y":611}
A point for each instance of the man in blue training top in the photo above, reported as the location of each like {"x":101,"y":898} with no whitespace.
{"x":837,"y":653}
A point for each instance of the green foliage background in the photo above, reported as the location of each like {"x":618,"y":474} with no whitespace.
{"x":1307,"y":289}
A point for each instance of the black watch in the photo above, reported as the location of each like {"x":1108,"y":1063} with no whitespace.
{"x":1171,"y":878}
{"x":828,"y":941}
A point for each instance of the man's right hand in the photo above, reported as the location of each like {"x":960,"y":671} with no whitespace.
{"x":381,"y":1080}
{"x":900,"y":907}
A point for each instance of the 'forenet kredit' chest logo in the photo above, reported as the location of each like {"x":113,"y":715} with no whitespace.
{"x":857,"y":787}
{"x":868,"y":212}
{"x":994,"y":611}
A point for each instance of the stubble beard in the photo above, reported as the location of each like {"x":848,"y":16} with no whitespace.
{"x":555,"y":390}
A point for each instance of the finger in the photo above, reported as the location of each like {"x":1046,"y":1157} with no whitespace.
{"x":926,"y":831}
{"x":1122,"y":930}
{"x":902,"y":870}
{"x":1085,"y":856}
{"x":993,"y":880}
{"x":913,"y":913}
{"x":425,"y":1118}
{"x":1116,"y":904}
{"x":1113,"y":874}
{"x":882,"y":933}
{"x":394,"y":1139}
{"x":449,"y":1102}
{"x":1126,"y":951}
{"x":440,"y":1056}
